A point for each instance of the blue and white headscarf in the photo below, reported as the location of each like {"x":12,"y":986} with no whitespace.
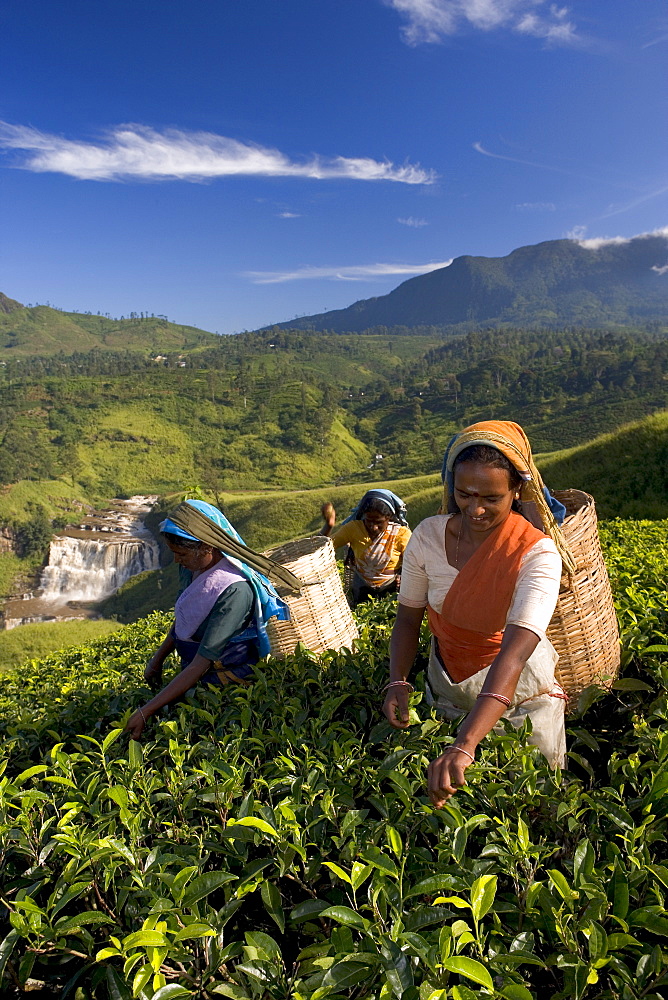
{"x":396,"y":508}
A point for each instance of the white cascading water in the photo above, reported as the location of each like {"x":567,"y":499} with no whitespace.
{"x":80,"y":569}
{"x":89,"y":568}
{"x":88,"y":562}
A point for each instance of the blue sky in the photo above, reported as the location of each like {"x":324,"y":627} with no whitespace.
{"x":232,"y":163}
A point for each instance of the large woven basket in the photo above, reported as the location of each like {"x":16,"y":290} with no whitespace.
{"x":584,"y":629}
{"x":320,"y":617}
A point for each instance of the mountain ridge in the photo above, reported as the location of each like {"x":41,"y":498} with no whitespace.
{"x":554,"y":283}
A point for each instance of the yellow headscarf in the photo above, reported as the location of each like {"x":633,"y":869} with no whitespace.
{"x":508,"y":438}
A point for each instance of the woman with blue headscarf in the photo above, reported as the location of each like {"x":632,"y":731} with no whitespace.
{"x":220,"y":616}
{"x":377,"y":532}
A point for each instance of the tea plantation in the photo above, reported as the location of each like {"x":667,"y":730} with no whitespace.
{"x":277,"y":842}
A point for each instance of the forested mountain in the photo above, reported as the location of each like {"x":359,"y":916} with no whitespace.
{"x":41,"y":330}
{"x":294,"y":409}
{"x":552,"y":284}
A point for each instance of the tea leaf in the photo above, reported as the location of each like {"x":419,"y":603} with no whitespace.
{"x":483,"y":892}
{"x":203,"y":885}
{"x":344,"y":915}
{"x":469,"y":968}
{"x":650,"y":921}
{"x":271,"y":898}
{"x":86,"y":919}
{"x":343,"y":975}
{"x":171,"y":992}
{"x":255,"y":824}
{"x":375,"y":857}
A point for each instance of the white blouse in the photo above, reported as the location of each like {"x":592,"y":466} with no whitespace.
{"x":427,"y":576}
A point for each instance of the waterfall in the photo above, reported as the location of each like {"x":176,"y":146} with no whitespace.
{"x":81,"y":569}
{"x":92,"y":561}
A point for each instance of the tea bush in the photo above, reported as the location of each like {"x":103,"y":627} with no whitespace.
{"x":276,"y":841}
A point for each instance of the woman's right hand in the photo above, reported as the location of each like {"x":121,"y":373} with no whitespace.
{"x":329,"y":514}
{"x":446,"y":775}
{"x":396,"y":708}
{"x":153,"y":670}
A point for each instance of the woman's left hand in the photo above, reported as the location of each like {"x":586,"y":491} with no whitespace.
{"x":135,"y":725}
{"x":446,"y":776}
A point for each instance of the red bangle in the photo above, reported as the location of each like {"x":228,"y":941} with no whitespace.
{"x":499,"y":697}
{"x":392,"y":684}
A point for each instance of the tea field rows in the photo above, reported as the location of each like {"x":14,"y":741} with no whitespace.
{"x":276,"y":841}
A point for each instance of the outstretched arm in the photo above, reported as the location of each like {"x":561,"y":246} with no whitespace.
{"x":176,"y":688}
{"x":403,"y":650}
{"x":446,"y":773}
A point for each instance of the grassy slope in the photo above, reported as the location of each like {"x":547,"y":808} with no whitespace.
{"x":626,"y":471}
{"x":137,"y":449}
{"x":60,"y":499}
{"x":30,"y":642}
{"x":42,"y":330}
{"x":10,"y":568}
{"x":153,"y":448}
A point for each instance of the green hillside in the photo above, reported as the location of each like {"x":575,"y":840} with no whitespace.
{"x":298,"y":409}
{"x":42,"y":330}
{"x":31,"y":641}
{"x":626,"y":471}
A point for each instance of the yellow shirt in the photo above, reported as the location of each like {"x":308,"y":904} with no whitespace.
{"x":376,"y":560}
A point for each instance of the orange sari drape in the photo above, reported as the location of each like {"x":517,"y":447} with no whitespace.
{"x":469,"y":627}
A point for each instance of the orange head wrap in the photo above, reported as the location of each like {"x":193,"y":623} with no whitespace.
{"x":508,"y":438}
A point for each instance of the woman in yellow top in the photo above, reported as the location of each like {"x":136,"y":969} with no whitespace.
{"x":377,"y":532}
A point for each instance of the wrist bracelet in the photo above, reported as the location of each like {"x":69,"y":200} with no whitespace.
{"x":454,"y":746}
{"x":498,"y":697}
{"x":392,"y":684}
{"x":141,"y":712}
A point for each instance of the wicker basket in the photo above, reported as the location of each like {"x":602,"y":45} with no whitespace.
{"x":584,"y":628}
{"x":320,"y":617}
{"x":348,"y":576}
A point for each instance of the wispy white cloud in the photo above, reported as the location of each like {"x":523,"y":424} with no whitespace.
{"x":360,"y":272}
{"x":620,"y":209}
{"x":536,"y":206}
{"x":479,"y":148}
{"x":289,"y":215}
{"x":662,"y":37}
{"x":413,"y":222}
{"x":596,"y":242}
{"x":432,"y":20}
{"x":136,"y":152}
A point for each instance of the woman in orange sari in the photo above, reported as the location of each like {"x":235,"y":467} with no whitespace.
{"x":489,"y":581}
